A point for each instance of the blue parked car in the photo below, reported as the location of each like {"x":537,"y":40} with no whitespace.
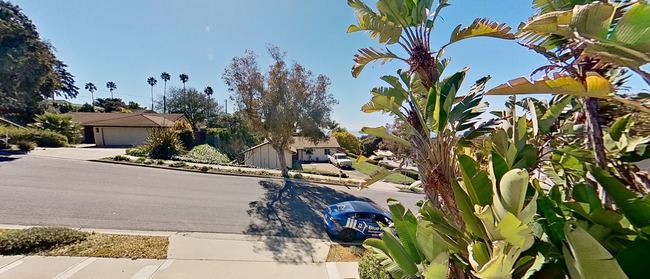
{"x":355,"y":220}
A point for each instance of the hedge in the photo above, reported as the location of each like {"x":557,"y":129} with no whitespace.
{"x":42,"y":138}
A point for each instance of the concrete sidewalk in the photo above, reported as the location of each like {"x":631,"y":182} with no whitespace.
{"x":193,"y":255}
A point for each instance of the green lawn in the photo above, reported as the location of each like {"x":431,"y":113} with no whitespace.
{"x":368,"y":168}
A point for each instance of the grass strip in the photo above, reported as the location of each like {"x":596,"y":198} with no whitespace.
{"x":368,"y":169}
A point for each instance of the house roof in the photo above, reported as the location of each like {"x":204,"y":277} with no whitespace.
{"x":126,"y":119}
{"x":304,"y":143}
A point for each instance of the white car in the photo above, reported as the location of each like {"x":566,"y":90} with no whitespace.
{"x":340,"y":160}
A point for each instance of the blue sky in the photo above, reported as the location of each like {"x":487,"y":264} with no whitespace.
{"x":127,"y":41}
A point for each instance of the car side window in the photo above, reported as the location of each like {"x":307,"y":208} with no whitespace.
{"x":381,"y":219}
{"x":368,"y":217}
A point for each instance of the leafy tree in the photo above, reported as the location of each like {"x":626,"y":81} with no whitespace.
{"x":86,"y":108}
{"x":134,"y":105}
{"x":398,"y":129}
{"x":165,"y":77}
{"x":348,"y":141}
{"x":30,"y":71}
{"x":152,"y":81}
{"x":233,"y":133}
{"x":111,"y":104}
{"x":92,"y":88}
{"x":60,"y":123}
{"x":111,"y":86}
{"x":208,"y":91}
{"x":369,"y":144}
{"x":284,"y":101}
{"x":196,"y":107}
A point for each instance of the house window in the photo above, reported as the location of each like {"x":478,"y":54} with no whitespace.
{"x":327,"y":152}
{"x":96,"y":130}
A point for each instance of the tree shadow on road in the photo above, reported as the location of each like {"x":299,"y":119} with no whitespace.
{"x":292,"y":209}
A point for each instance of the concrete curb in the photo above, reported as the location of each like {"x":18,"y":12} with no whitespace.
{"x":217,"y":172}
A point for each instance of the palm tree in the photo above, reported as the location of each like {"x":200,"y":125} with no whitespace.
{"x":111,"y":86}
{"x":208,"y":91}
{"x":92,"y":88}
{"x":152,"y":81}
{"x":165,"y":76}
{"x":184,"y":78}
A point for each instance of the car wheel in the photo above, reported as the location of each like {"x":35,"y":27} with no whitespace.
{"x":347,"y":235}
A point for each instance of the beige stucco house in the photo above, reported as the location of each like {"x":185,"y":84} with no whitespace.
{"x":303,"y":150}
{"x":122,"y":129}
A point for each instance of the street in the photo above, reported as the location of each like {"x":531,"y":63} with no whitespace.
{"x":38,"y":190}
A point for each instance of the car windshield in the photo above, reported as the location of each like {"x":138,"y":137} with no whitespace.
{"x":342,"y":157}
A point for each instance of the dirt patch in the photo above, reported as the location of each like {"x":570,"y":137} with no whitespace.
{"x":345,"y":253}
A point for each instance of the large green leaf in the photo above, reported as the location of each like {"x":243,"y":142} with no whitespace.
{"x":512,"y":192}
{"x":634,"y":206}
{"x":374,"y":24}
{"x":406,"y":225}
{"x":445,"y":99}
{"x":593,"y":86}
{"x":381,"y":132}
{"x":589,"y":259}
{"x":439,"y":267}
{"x":634,"y":260}
{"x":397,"y":251}
{"x":431,"y":244}
{"x":481,"y":28}
{"x":375,"y":176}
{"x":476,"y":181}
{"x":547,"y":120}
{"x":466,"y":208}
{"x":368,"y":55}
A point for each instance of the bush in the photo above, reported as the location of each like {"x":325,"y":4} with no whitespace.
{"x":298,"y":176}
{"x":206,"y":154}
{"x":370,"y":268}
{"x":178,"y":164}
{"x":60,"y":123}
{"x":43,"y":138}
{"x":138,"y":151}
{"x":37,"y":239}
{"x":164,"y":144}
{"x":160,"y":161}
{"x":26,"y":145}
{"x":121,"y":158}
{"x":205,"y":168}
{"x":185,"y":133}
{"x":141,"y":160}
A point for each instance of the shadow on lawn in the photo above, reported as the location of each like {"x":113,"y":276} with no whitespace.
{"x":292,"y":209}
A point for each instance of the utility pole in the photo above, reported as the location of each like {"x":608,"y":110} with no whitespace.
{"x":226,"y":106}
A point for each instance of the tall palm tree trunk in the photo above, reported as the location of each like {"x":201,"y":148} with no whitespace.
{"x":165,"y":98}
{"x":152,"y":98}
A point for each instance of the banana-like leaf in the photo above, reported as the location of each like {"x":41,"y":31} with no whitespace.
{"x":431,"y":244}
{"x":619,"y":127}
{"x":397,"y":251}
{"x":375,"y":176}
{"x":466,"y":208}
{"x":588,"y":258}
{"x":406,"y":225}
{"x":381,"y":132}
{"x":501,"y":263}
{"x":476,"y":181}
{"x":594,"y":86}
{"x":374,"y":24}
{"x":439,"y":102}
{"x":546,"y":6}
{"x":547,"y":120}
{"x":634,"y":206}
{"x":513,"y":231}
{"x":478,"y":254}
{"x":367,"y":55}
{"x":482,"y":28}
{"x":438,"y":268}
{"x":377,"y":244}
{"x":512,"y":193}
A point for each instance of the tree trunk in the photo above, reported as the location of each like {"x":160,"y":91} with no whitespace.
{"x":596,"y":141}
{"x":283,"y":162}
{"x":165,"y":99}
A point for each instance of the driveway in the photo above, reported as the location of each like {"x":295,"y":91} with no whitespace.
{"x":352,"y":173}
{"x":78,"y":153}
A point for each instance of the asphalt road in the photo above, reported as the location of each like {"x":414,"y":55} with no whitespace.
{"x":51,"y":191}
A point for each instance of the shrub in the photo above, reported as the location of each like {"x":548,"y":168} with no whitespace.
{"x":206,"y":154}
{"x":37,"y":239}
{"x":357,"y":250}
{"x":141,"y":160}
{"x":26,"y":145}
{"x":370,"y":268}
{"x":185,"y":133}
{"x":298,"y":176}
{"x":164,"y":144}
{"x":148,"y":162}
{"x":205,"y":168}
{"x":160,"y":161}
{"x":121,"y":158}
{"x":178,"y":164}
{"x":60,"y":123}
{"x":43,"y":138}
{"x":138,"y":151}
